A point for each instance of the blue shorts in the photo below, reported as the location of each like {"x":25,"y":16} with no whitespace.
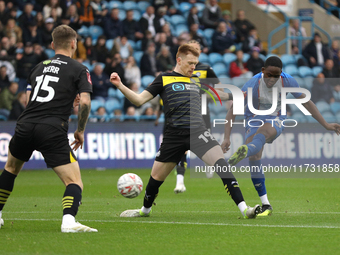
{"x":255,"y":124}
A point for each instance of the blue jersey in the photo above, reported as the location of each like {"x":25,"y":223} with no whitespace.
{"x":263,"y":96}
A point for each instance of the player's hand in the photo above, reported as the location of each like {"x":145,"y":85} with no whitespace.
{"x":78,"y":140}
{"x":334,"y":127}
{"x":115,"y":79}
{"x":76,"y":101}
{"x":225,"y":145}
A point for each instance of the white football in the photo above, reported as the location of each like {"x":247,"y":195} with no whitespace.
{"x":130,"y":185}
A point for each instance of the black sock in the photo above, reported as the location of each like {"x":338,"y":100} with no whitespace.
{"x":182,"y":166}
{"x":229,"y":181}
{"x":71,"y":199}
{"x":6,"y":186}
{"x":151,"y":192}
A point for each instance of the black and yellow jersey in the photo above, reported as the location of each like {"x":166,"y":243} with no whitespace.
{"x":206,"y":74}
{"x":181,"y":97}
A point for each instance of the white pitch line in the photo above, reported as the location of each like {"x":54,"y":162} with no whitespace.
{"x":192,"y":223}
{"x":96,"y":212}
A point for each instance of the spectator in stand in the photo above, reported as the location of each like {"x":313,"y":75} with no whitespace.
{"x":160,"y":40}
{"x":100,"y":83}
{"x":86,"y":12}
{"x":25,"y":63}
{"x":90,"y":51}
{"x":130,"y":27}
{"x":222,"y":42}
{"x":11,"y":14}
{"x":128,"y":104}
{"x":112,"y":25}
{"x":296,"y":30}
{"x":255,"y":63}
{"x":12,"y":30}
{"x":7,"y":97}
{"x":149,"y":112}
{"x":300,"y":60}
{"x":65,"y":4}
{"x":4,"y":79}
{"x":212,"y":14}
{"x":100,"y":50}
{"x":316,"y":52}
{"x":170,"y":39}
{"x":33,"y":34}
{"x":39,"y":19}
{"x":3,"y":12}
{"x":251,"y":41}
{"x":48,"y":8}
{"x":146,"y":23}
{"x":99,"y":11}
{"x":132,"y":72}
{"x":47,"y":33}
{"x":195,"y":36}
{"x":115,"y":65}
{"x":173,"y":11}
{"x":80,"y":53}
{"x":55,"y":17}
{"x":334,"y":50}
{"x":122,"y":46}
{"x":226,"y":17}
{"x":71,"y":17}
{"x":7,"y":46}
{"x":99,"y":116}
{"x":238,"y":68}
{"x":26,"y":17}
{"x":193,"y":17}
{"x":322,"y":90}
{"x":10,"y":68}
{"x":164,"y":60}
{"x":148,"y":62}
{"x":148,"y":38}
{"x":329,"y":70}
{"x":159,"y":20}
{"x":39,"y":51}
{"x":162,"y":3}
{"x":18,"y":106}
{"x":242,"y":25}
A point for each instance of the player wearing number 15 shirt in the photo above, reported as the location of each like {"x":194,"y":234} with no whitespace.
{"x":53,"y":86}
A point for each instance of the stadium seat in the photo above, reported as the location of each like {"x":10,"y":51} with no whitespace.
{"x":335,"y":107}
{"x":180,"y":28}
{"x":137,"y":15}
{"x":224,"y":79}
{"x":271,"y":55}
{"x":50,"y":53}
{"x":294,"y":109}
{"x":147,"y":117}
{"x":200,"y":6}
{"x":215,"y":58}
{"x":138,"y":56}
{"x":310,"y":119}
{"x":109,"y":44}
{"x":263,"y":57}
{"x":19,"y":12}
{"x":112,"y":104}
{"x":323,"y":107}
{"x":177,"y":19}
{"x":112,"y":92}
{"x":83,"y":31}
{"x":95,"y":31}
{"x":133,"y":44}
{"x":337,"y":116}
{"x":185,"y":7}
{"x":300,"y":81}
{"x":95,"y":104}
{"x":291,"y":70}
{"x":305,"y":71}
{"x":120,"y":95}
{"x":239,"y":82}
{"x":219,"y":69}
{"x":228,"y":58}
{"x":316,"y":70}
{"x":246,"y":56}
{"x":299,"y":117}
{"x":203,"y":58}
{"x":146,"y":80}
{"x":129,"y":117}
{"x":142,"y":6}
{"x":308,"y":82}
{"x":138,"y":45}
{"x":208,"y":33}
{"x":329,"y":117}
{"x":288,"y":59}
{"x":115,"y":4}
{"x":88,"y":65}
{"x":3,"y":118}
{"x":130,"y":5}
{"x":122,"y":15}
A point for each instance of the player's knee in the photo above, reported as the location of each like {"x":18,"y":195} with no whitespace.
{"x":255,"y":157}
{"x":269,"y":134}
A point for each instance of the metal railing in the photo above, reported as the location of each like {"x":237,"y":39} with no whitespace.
{"x":328,"y":8}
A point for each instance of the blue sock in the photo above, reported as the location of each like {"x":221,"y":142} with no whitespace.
{"x":256,"y":145}
{"x":257,"y":176}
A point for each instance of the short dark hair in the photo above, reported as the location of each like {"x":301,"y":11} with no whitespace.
{"x":273,"y":61}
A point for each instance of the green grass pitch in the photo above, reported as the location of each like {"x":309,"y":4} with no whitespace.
{"x":203,"y":220}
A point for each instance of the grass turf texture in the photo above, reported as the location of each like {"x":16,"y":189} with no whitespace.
{"x":203,"y":220}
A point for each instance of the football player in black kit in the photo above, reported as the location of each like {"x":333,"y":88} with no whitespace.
{"x":185,"y":130}
{"x":52,"y":87}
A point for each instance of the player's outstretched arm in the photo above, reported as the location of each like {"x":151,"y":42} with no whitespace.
{"x":223,"y":95}
{"x":227,"y":130}
{"x":311,"y":107}
{"x":136,"y":99}
{"x":83,"y":115}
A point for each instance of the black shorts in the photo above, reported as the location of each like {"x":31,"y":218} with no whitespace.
{"x":177,"y":142}
{"x":206,"y":119}
{"x":51,"y":142}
